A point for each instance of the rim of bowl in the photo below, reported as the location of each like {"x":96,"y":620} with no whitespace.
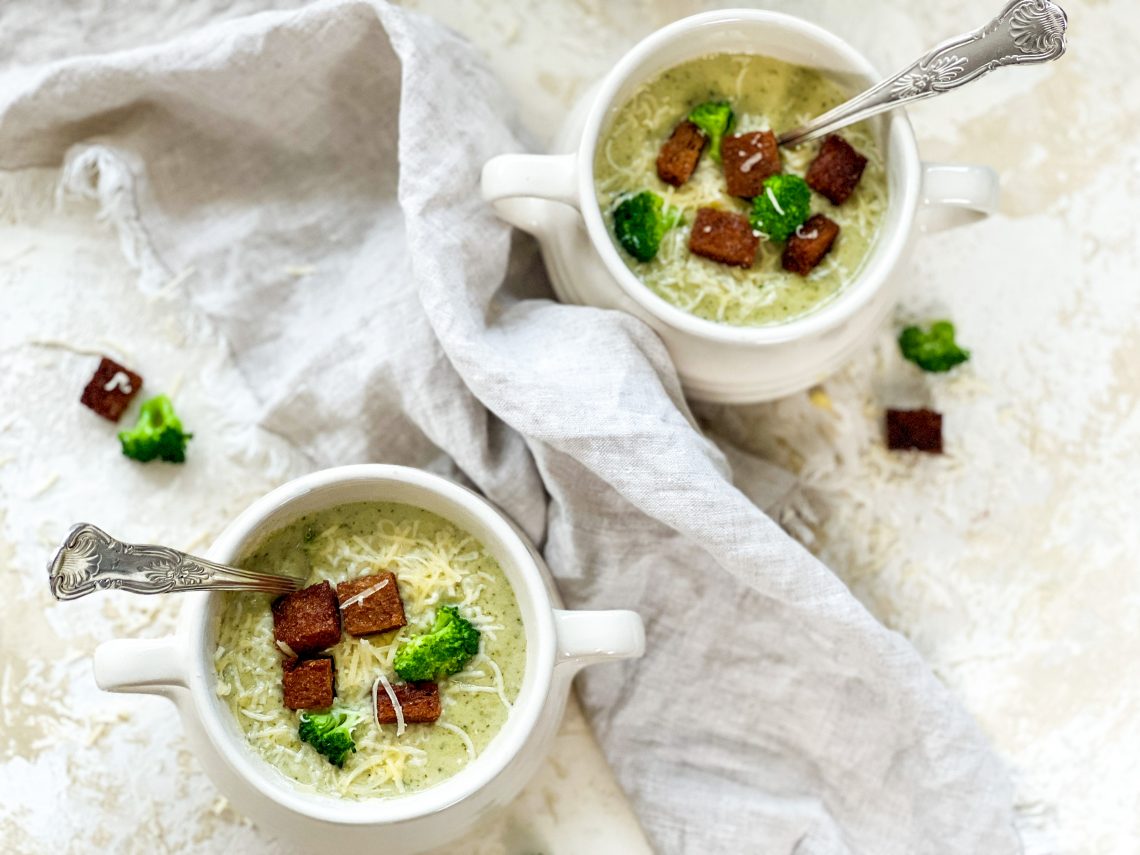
{"x":504,"y":746}
{"x":900,"y":142}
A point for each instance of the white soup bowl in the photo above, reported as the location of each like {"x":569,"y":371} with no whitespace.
{"x":552,"y":196}
{"x":558,"y":644}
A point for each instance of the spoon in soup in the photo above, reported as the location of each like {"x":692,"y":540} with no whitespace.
{"x":91,"y":560}
{"x":1025,"y":32}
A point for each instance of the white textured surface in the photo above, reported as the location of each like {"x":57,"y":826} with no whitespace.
{"x":1010,"y":564}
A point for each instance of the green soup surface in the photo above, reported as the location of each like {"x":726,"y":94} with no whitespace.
{"x":765,"y":94}
{"x":435,"y":564}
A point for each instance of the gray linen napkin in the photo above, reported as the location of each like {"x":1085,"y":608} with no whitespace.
{"x":316,"y":172}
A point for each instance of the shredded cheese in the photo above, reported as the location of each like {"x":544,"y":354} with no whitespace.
{"x":500,"y":688}
{"x":772,"y":199}
{"x":46,"y":485}
{"x":363,"y":595}
{"x":462,"y":734}
{"x":382,"y":680}
{"x":745,"y":297}
{"x":284,"y":648}
{"x":433,"y":565}
{"x":468,"y":687}
{"x":256,"y":716}
{"x":751,"y":161}
{"x":119,"y":380}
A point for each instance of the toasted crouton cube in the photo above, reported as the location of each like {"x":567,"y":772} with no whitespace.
{"x":307,"y":620}
{"x":749,"y":159}
{"x":836,"y":170}
{"x":308,"y":683}
{"x":418,"y":701}
{"x":918,"y":430}
{"x":723,"y":236}
{"x":680,"y":154}
{"x":810,"y":243}
{"x":111,"y":390}
{"x":380,"y":610}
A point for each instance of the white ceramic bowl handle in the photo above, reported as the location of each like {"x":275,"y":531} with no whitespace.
{"x":957,"y":193}
{"x":512,"y":183}
{"x":148,"y":666}
{"x":585,"y":638}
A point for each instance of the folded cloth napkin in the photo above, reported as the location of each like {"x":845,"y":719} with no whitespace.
{"x":315,"y":175}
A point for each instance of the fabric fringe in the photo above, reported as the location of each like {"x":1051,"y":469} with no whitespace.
{"x":103,"y":175}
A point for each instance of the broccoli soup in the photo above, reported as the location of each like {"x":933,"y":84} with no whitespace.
{"x":391,"y":670}
{"x":712,"y":216}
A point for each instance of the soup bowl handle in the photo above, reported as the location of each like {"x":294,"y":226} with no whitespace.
{"x":588,"y":637}
{"x":145,"y":666}
{"x":517,"y":185}
{"x":954,"y":194}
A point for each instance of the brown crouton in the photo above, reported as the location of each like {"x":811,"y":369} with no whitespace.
{"x":920,"y":430}
{"x":380,"y":611}
{"x":748,"y":159}
{"x":111,"y":390}
{"x":308,"y":683}
{"x":307,"y":620}
{"x":810,"y":243}
{"x":418,"y":701}
{"x":680,"y":154}
{"x":723,"y":236}
{"x":836,"y":170}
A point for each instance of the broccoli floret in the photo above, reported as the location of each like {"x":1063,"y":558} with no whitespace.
{"x":441,"y":652}
{"x":641,"y":221}
{"x":330,"y":733}
{"x":782,"y":207}
{"x":158,"y":433}
{"x":715,"y":118}
{"x":933,"y":349}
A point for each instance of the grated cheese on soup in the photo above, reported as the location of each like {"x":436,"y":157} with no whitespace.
{"x":766,"y":94}
{"x":435,"y":563}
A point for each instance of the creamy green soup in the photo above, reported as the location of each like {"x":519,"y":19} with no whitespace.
{"x":765,"y":94}
{"x":435,"y":564}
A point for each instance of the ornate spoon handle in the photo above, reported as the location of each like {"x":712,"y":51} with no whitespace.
{"x":1026,"y":31}
{"x":91,"y":560}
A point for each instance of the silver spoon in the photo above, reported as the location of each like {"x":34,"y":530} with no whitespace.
{"x":91,"y":560}
{"x":1026,"y":31}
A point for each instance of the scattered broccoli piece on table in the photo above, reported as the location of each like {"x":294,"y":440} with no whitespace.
{"x":715,"y":118}
{"x":330,"y":733}
{"x":158,"y":433}
{"x":783,"y":206}
{"x":933,"y":349}
{"x":641,"y":221}
{"x":441,"y":652}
